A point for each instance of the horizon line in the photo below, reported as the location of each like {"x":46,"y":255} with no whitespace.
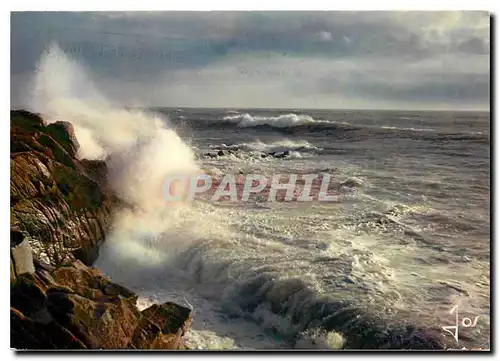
{"x":292,"y":109}
{"x":308,"y":108}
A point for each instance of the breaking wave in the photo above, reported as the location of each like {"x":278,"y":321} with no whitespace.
{"x":296,"y":123}
{"x":249,"y":282}
{"x":281,"y":121}
{"x":276,"y":146}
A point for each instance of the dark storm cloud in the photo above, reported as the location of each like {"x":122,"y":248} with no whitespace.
{"x":145,"y":48}
{"x":429,"y":88}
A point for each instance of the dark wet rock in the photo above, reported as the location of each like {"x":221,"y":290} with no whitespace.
{"x":279,"y":155}
{"x":88,"y":255}
{"x":75,"y":306}
{"x":26,"y":295}
{"x":27,"y":333}
{"x":220,"y":153}
{"x":16,"y":238}
{"x":352,"y":183}
{"x":96,"y":170}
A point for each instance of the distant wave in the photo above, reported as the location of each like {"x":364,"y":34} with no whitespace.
{"x":280,"y":121}
{"x":297,"y":120}
{"x":409,"y":129}
{"x":296,"y":123}
{"x":277,"y":146}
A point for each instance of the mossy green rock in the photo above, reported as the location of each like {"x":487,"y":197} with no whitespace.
{"x":64,"y":134}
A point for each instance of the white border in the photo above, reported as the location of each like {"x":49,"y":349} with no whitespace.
{"x":253,"y":5}
{"x":24,"y":5}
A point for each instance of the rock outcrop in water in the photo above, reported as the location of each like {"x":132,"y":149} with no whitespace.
{"x":75,"y":306}
{"x":60,"y":210}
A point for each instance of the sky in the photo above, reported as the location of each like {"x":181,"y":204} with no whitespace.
{"x":324,"y":59}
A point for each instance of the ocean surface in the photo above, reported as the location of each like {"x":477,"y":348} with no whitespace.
{"x":407,"y":240}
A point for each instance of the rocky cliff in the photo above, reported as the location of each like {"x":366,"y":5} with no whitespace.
{"x":57,"y":201}
{"x":61,"y":208}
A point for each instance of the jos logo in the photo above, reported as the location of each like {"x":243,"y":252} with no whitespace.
{"x":466,"y":322}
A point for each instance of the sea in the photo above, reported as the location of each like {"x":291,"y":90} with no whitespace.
{"x":407,"y":244}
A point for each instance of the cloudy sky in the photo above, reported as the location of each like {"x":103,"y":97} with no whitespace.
{"x":389,"y":60}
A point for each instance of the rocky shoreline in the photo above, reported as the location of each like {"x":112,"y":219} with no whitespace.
{"x":61,"y":208}
{"x":60,"y":211}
